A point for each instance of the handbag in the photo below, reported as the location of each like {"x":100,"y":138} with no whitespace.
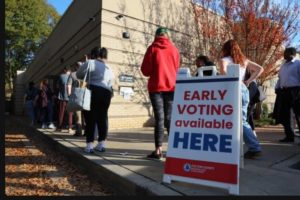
{"x":262,"y":95}
{"x":256,"y":92}
{"x":80,"y":98}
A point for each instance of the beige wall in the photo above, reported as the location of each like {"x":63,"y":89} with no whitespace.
{"x":75,"y":35}
{"x":141,"y":19}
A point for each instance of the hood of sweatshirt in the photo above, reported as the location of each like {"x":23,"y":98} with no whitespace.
{"x":162,"y":42}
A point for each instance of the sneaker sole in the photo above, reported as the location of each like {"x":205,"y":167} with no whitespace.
{"x":100,"y":150}
{"x":90,"y":151}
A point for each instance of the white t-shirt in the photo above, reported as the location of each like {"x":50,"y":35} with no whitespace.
{"x":228,"y":60}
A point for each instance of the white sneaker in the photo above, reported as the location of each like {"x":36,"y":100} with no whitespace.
{"x":44,"y":126}
{"x":71,"y":131}
{"x":89,"y":148}
{"x":51,"y":126}
{"x":100,"y":147}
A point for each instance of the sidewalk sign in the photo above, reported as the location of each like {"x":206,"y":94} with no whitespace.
{"x":204,"y":141}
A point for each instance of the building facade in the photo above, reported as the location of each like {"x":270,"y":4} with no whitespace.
{"x":126,"y":28}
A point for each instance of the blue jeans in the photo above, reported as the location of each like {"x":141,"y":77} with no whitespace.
{"x":30,"y":110}
{"x":248,"y":135}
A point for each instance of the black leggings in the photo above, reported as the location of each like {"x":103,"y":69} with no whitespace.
{"x":98,"y":114}
{"x":162,"y":108}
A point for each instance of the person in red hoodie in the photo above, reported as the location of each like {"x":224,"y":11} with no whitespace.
{"x":161,"y":63}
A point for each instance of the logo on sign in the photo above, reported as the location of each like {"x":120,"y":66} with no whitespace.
{"x":187,"y":167}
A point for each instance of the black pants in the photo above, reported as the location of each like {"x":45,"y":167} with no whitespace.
{"x":290,"y":100}
{"x":98,"y":114}
{"x":162,"y":108}
{"x":250,"y":116}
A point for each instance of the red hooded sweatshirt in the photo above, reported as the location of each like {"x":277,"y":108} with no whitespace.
{"x":161,"y":63}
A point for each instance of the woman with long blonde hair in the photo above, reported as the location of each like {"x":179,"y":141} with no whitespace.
{"x":232,"y":54}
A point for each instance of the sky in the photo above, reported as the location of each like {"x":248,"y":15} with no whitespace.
{"x":62,"y":5}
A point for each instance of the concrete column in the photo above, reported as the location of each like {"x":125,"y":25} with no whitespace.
{"x":18,"y":93}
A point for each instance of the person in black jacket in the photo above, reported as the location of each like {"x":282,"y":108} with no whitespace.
{"x":29,"y":97}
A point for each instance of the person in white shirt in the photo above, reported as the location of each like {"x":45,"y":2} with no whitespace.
{"x":288,"y":86}
{"x":100,"y":80}
{"x":233,"y":54}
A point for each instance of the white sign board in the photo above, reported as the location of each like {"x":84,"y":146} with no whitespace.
{"x":204,"y":138}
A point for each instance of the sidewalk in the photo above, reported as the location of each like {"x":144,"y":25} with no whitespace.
{"x":125,"y":168}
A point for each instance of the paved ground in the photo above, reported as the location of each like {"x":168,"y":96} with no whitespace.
{"x":127,"y":170}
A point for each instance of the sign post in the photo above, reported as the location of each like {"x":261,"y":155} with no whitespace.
{"x":204,"y":140}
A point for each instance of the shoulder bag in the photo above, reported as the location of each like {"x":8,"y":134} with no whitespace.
{"x":80,"y":98}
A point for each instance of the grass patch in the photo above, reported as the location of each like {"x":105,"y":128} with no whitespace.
{"x":264,"y":122}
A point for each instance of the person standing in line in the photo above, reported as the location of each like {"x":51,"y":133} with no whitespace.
{"x":44,"y":102}
{"x":100,"y":80}
{"x":63,"y":99}
{"x":29,"y":97}
{"x":74,"y":82}
{"x":201,"y":61}
{"x":253,"y":92}
{"x":232,"y":54}
{"x":161,"y":63}
{"x":289,"y":86}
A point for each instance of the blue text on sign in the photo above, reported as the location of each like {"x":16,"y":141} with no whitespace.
{"x":203,"y":142}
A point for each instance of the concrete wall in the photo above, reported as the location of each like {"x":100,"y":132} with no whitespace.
{"x":76,"y":34}
{"x":18,"y":93}
{"x":92,"y":23}
{"x":140,"y":19}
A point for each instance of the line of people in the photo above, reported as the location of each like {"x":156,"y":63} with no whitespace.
{"x":161,"y":63}
{"x":42,"y":102}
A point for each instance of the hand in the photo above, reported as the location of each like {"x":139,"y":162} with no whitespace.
{"x":247,"y":83}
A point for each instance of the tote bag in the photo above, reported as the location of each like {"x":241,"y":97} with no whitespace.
{"x":80,"y":98}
